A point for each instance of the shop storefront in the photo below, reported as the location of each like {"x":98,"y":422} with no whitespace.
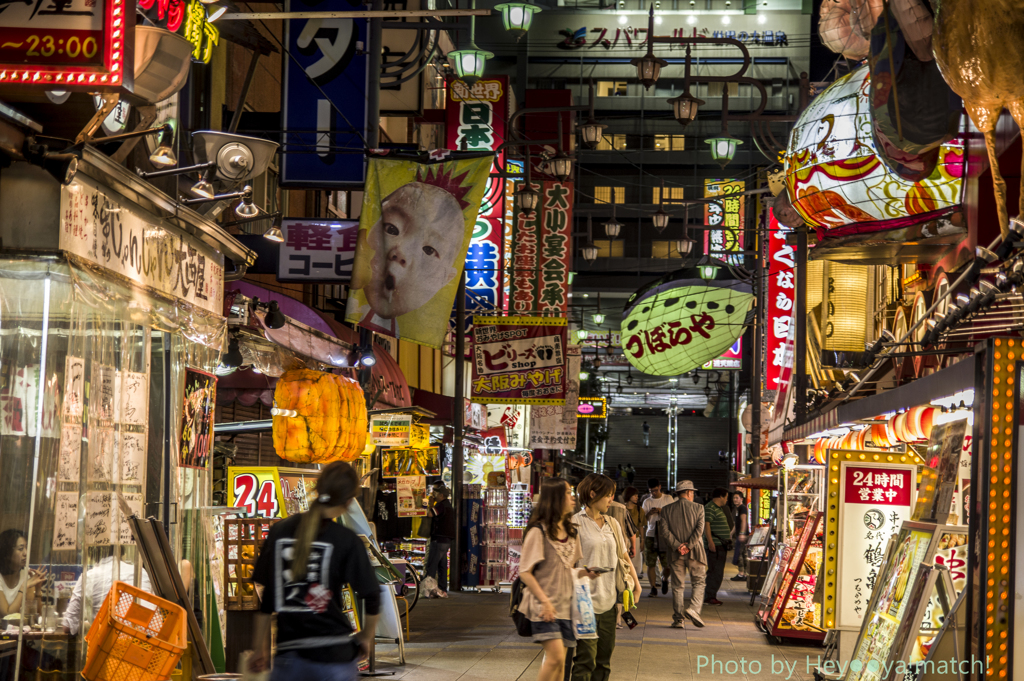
{"x":112,"y":327}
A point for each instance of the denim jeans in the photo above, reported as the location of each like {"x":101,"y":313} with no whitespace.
{"x":436,"y":565}
{"x":290,"y":666}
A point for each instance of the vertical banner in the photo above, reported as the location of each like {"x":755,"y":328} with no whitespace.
{"x":475,"y":121}
{"x":725,"y":214}
{"x":414,"y":232}
{"x":874,"y":501}
{"x":781,"y":301}
{"x":323,"y":99}
{"x":541,"y":257}
{"x":511,"y":168}
{"x":519,"y":360}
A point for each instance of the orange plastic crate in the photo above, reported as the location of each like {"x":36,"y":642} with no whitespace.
{"x":135,"y":637}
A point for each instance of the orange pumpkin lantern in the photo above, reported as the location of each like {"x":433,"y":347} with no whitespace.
{"x":330,"y":421}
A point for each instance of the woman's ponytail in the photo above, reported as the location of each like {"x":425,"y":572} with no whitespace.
{"x":335,"y":487}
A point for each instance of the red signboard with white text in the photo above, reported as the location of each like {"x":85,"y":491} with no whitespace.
{"x":780,"y":303}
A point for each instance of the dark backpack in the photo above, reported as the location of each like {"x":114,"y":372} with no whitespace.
{"x":523,"y":625}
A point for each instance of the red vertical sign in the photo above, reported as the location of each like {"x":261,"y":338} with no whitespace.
{"x":780,"y":303}
{"x":541,"y":258}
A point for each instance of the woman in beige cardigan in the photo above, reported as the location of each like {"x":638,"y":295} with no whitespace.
{"x":551,"y":549}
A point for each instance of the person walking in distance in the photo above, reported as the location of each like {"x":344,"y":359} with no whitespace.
{"x":551,"y":549}
{"x":716,"y":535}
{"x":647,"y":434}
{"x":682,"y":530}
{"x":740,"y":533}
{"x":604,"y":546}
{"x":653,"y":554}
{"x":630,"y":474}
{"x":442,"y":533}
{"x":304,"y":568}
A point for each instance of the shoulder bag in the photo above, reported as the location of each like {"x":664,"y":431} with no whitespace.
{"x":621,"y":566}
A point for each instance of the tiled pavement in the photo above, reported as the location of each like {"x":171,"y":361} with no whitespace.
{"x":469,"y":637}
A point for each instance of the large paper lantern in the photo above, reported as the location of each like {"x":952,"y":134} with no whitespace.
{"x":319,"y":417}
{"x":845,"y":314}
{"x":837,"y":182}
{"x":675,"y":325}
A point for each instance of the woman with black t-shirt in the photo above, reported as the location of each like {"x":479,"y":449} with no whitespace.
{"x":305,"y":563}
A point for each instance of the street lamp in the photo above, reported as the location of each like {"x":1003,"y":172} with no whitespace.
{"x":684,"y":107}
{"x":591,"y":132}
{"x":528,"y":196}
{"x":561,"y":166}
{"x":648,"y":67}
{"x":517,"y":17}
{"x":660,"y":220}
{"x":684,"y":246}
{"x":708,"y":268}
{"x":469,"y":62}
{"x":723,"y":149}
{"x":613,"y":227}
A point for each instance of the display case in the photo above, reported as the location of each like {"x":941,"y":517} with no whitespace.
{"x":793,"y":611}
{"x":803,"y":489}
{"x":494,"y":559}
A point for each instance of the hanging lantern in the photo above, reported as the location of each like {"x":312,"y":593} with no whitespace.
{"x":612,"y":228}
{"x":581,"y":334}
{"x":684,"y":108}
{"x":660,"y":220}
{"x":648,"y":68}
{"x":708,"y":268}
{"x":320,"y":417}
{"x":723,"y":149}
{"x":592,"y":132}
{"x":845,"y":307}
{"x":561,"y":166}
{"x":517,"y":17}
{"x":675,"y":325}
{"x":528,"y":199}
{"x":598,"y":318}
{"x":684,"y":246}
{"x":589,"y":251}
{"x":469,"y":63}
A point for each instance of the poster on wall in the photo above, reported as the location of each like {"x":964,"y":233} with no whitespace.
{"x":875,"y":499}
{"x":553,"y":426}
{"x":412,"y":494}
{"x":197,"y":413}
{"x":414,"y":231}
{"x":542,"y":255}
{"x":519,"y":360}
{"x":475,"y":119}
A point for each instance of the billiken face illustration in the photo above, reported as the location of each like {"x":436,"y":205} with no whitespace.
{"x":415,"y":244}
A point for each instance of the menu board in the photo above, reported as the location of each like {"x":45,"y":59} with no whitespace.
{"x":879,"y":631}
{"x":794,"y":612}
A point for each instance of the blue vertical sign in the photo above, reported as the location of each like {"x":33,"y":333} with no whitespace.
{"x":324,"y":98}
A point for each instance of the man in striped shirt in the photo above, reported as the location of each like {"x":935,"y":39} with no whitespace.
{"x":716,"y":535}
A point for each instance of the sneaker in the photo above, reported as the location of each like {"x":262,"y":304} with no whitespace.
{"x":677,"y":624}
{"x":664,"y":586}
{"x":654,"y":592}
{"x":739,"y":578}
{"x":694,"y":617}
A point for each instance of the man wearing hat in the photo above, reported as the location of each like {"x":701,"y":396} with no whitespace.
{"x":681,"y":534}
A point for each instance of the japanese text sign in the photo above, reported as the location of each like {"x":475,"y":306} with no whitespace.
{"x":875,"y":501}
{"x":553,"y":426}
{"x":65,"y":45}
{"x":592,"y":408}
{"x":519,"y":360}
{"x":199,"y":31}
{"x":257,"y":490}
{"x":730,"y":359}
{"x":136,"y":246}
{"x":391,"y":430}
{"x":475,"y":121}
{"x":780,"y":303}
{"x":626,"y":38}
{"x":317,"y":250}
{"x":726,"y":215}
{"x":541,"y":257}
{"x":324,"y":98}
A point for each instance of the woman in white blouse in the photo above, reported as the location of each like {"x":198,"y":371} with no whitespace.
{"x":604,"y":547}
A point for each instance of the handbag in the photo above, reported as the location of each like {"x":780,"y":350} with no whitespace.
{"x":523,"y":626}
{"x":621,"y":567}
{"x":426,"y":524}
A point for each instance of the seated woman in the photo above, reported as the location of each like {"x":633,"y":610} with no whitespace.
{"x":99,"y":580}
{"x":15,"y":579}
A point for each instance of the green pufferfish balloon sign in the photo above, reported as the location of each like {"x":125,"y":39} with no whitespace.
{"x":675,"y":325}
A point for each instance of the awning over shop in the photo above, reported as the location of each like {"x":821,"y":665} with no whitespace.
{"x":770,"y":482}
{"x":387,"y":377}
{"x":441,"y":405}
{"x":941,"y":384}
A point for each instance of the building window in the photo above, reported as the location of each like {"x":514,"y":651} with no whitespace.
{"x":612,"y":143}
{"x":669,"y":142}
{"x":664,"y":250}
{"x":604,"y":194}
{"x":610,"y":248}
{"x":671,"y":194}
{"x":611,"y":88}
